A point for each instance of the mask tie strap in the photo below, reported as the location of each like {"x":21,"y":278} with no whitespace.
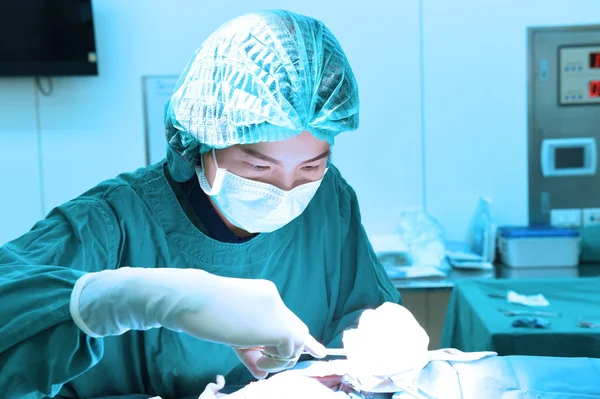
{"x":219,"y":175}
{"x":214,"y":154}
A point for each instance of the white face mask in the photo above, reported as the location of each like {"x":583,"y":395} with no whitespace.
{"x":254,"y":206}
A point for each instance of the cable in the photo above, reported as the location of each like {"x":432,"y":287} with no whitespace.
{"x":38,"y":85}
{"x":36,"y":89}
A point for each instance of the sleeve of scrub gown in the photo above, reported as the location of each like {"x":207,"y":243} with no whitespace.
{"x":41,"y":348}
{"x":364,"y":284}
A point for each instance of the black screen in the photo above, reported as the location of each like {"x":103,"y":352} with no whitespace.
{"x":47,"y":37}
{"x":569,"y":157}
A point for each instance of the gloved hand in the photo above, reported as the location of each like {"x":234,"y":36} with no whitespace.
{"x":260,"y":365}
{"x":242,"y":313}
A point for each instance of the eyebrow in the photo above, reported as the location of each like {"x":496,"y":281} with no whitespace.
{"x":256,"y":154}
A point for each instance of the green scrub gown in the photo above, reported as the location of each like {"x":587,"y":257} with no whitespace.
{"x":322,"y":264}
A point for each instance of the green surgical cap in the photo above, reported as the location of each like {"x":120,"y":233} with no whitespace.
{"x":265,"y":76}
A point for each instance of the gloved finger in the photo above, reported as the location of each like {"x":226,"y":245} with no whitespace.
{"x":275,"y":359}
{"x":314,"y":348}
{"x":212,"y":389}
{"x":286,"y":348}
{"x":274,"y":365}
{"x":249,"y":358}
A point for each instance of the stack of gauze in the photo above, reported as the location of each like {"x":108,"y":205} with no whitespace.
{"x":388,"y":346}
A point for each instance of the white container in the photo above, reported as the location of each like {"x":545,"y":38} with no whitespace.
{"x":538,"y":247}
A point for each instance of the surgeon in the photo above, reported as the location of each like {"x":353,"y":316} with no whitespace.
{"x":239,"y":252}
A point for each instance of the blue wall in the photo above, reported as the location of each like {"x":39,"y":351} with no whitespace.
{"x":434,"y":134}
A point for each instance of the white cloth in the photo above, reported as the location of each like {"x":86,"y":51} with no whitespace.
{"x":287,"y":385}
{"x":386,"y":353}
{"x":527,"y":300}
{"x":389,"y":349}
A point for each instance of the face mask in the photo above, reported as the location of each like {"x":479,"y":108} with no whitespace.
{"x":254,"y":206}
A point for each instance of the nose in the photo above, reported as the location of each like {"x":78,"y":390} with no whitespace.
{"x":288,"y":180}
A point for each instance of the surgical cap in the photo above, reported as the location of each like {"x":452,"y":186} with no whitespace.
{"x":262,"y":77}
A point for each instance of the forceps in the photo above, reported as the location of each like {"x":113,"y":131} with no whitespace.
{"x":329,"y":352}
{"x":509,"y":312}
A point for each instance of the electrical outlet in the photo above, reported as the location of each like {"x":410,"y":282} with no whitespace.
{"x":591,"y":216}
{"x":567,"y":217}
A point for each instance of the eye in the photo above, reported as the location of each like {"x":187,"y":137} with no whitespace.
{"x":257,"y":168}
{"x":310,"y":168}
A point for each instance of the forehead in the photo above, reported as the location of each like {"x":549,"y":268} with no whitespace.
{"x":302,"y":147}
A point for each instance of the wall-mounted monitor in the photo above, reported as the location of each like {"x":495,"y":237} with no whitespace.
{"x":47,"y":38}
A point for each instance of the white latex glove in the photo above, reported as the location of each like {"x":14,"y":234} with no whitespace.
{"x":212,"y":389}
{"x":259,"y":365}
{"x":242,"y":313}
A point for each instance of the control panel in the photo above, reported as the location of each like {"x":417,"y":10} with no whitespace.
{"x":579,"y":75}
